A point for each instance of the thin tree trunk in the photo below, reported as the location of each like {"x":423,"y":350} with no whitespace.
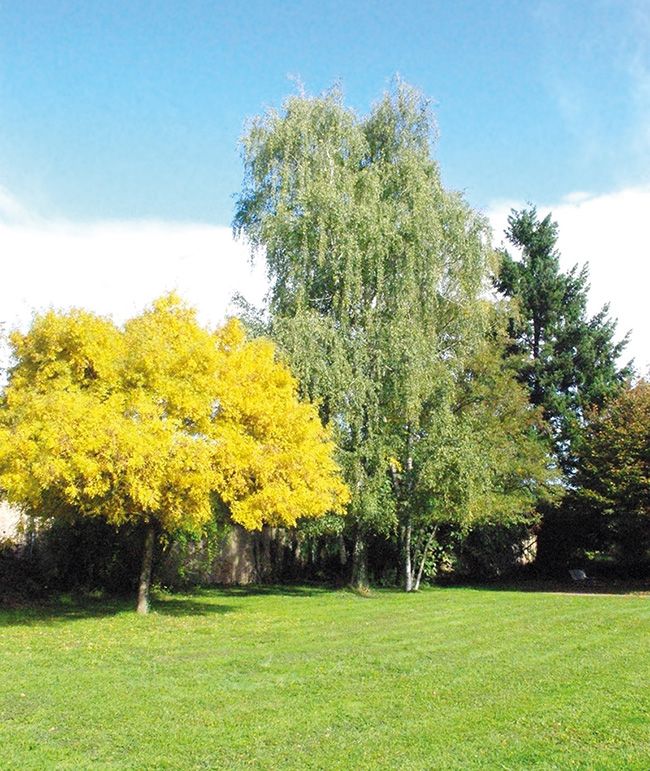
{"x":145,"y":573}
{"x":359,"y":562}
{"x":298,"y":559}
{"x":343,"y":552}
{"x":408,"y":527}
{"x":425,"y":554}
{"x":408,"y":570}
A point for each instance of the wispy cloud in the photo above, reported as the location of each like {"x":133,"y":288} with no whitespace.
{"x":610,"y":233}
{"x":596,"y":69}
{"x":11,"y":209}
{"x":638,"y":67}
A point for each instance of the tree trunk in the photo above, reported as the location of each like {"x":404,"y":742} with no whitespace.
{"x":408,"y":525}
{"x":425,"y":554}
{"x":145,"y":573}
{"x":408,"y":570}
{"x":359,"y":562}
{"x":343,"y":552}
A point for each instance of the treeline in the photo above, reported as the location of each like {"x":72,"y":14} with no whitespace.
{"x":462,"y":383}
{"x":469,"y":402}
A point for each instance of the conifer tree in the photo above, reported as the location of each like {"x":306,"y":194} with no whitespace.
{"x":569,"y":360}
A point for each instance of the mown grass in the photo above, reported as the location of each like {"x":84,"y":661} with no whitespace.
{"x":309,"y":678}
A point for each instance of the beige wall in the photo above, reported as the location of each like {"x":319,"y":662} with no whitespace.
{"x":9,"y":521}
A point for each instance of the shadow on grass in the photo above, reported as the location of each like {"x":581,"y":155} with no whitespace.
{"x":275,"y":590}
{"x":549,"y":586}
{"x":189,"y":606}
{"x":66,"y":608}
{"x":205,"y":601}
{"x":211,"y":601}
{"x":58,"y":609}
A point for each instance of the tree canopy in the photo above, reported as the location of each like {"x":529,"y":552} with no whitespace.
{"x":148,"y":422}
{"x":569,"y":361}
{"x":377,"y":275}
{"x":614,"y":470}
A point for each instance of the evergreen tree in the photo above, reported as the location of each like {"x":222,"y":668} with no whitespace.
{"x":568,"y":360}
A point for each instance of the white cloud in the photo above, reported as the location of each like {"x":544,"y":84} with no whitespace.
{"x":610,"y":233}
{"x":117,"y":268}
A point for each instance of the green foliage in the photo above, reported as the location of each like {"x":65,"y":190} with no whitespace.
{"x":489,"y":551}
{"x":613,"y":477}
{"x":568,"y":361}
{"x":507,"y":467}
{"x":86,"y":554}
{"x":376,"y":274}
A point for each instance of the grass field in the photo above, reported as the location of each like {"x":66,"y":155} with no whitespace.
{"x":310,"y":678}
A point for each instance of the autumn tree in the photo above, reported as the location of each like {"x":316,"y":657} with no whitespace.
{"x":376,"y":275}
{"x":613,"y":479}
{"x":146,"y":423}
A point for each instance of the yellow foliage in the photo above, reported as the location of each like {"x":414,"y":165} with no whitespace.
{"x":274,"y":458}
{"x":147,"y":422}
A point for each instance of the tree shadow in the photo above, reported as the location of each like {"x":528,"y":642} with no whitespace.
{"x":276,"y":590}
{"x":550,"y":586}
{"x":67,"y":609}
{"x":189,"y":606}
{"x":63,"y":608}
{"x":202,"y":601}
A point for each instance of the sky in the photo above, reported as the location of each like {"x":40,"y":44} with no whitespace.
{"x":120,"y":122}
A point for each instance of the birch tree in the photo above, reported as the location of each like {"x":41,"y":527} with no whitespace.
{"x":376,"y":276}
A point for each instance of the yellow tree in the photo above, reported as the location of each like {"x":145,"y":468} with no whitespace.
{"x":147,"y":422}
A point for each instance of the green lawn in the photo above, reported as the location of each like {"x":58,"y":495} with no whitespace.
{"x":309,"y":678}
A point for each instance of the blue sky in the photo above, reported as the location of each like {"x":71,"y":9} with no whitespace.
{"x":134,"y":109}
{"x":130,"y":112}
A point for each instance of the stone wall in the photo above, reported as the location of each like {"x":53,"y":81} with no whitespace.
{"x":242,"y":557}
{"x":234,"y":562}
